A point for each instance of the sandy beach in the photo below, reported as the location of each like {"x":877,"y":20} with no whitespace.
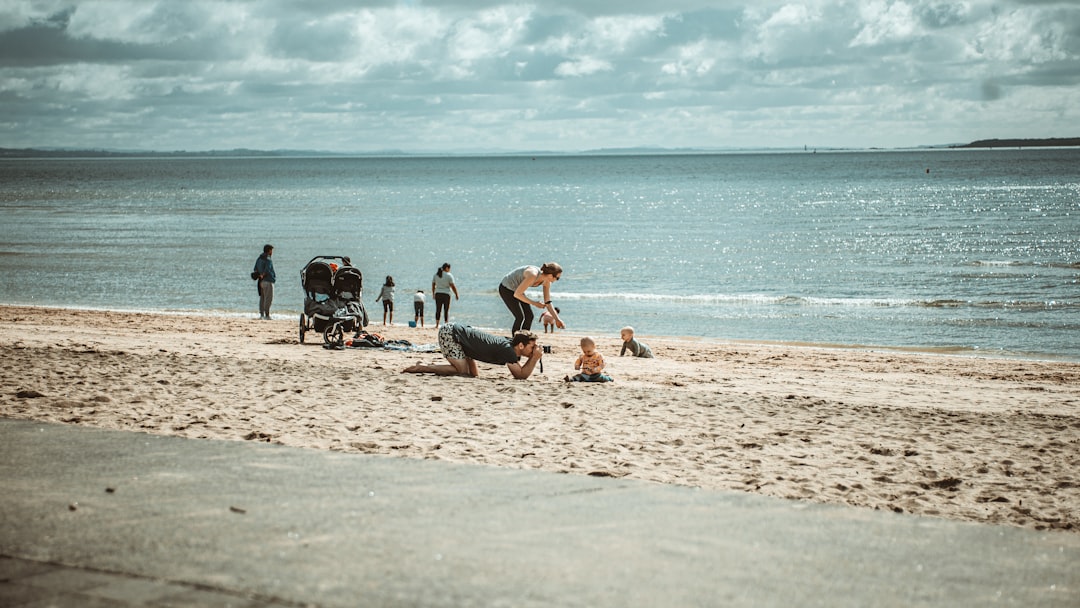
{"x":978,"y":439}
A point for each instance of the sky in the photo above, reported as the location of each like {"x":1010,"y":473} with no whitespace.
{"x":559,"y":75}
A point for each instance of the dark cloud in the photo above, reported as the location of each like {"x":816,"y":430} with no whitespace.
{"x":1065,"y":74}
{"x":710,"y":24}
{"x":49,"y":42}
{"x":991,"y":90}
{"x":545,"y":26}
{"x":318,"y":41}
{"x":45,"y":42}
{"x":941,"y":15}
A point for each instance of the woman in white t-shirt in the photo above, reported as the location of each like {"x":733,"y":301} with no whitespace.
{"x":442,"y":285}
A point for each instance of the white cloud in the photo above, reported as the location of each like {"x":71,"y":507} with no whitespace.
{"x":694,"y":60}
{"x":14,"y":15}
{"x":1023,"y":36}
{"x":133,"y":21}
{"x":618,"y":34}
{"x":561,"y":75}
{"x":395,"y":36}
{"x":490,"y":34}
{"x":582,"y":67}
{"x":789,"y":31}
{"x":885,"y":22}
{"x":76,"y":83}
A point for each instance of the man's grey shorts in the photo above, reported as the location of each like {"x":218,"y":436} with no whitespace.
{"x":450,"y":347}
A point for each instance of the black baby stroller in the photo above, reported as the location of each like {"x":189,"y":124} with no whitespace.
{"x":333,"y":298}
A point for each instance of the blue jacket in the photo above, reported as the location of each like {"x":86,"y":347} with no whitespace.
{"x":265,"y":266}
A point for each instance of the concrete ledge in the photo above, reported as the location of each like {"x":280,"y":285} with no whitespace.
{"x":307,"y":527}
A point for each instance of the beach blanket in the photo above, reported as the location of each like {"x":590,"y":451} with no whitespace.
{"x":374,"y":341}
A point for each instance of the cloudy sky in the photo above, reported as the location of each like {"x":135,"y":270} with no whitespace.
{"x":558,"y":75}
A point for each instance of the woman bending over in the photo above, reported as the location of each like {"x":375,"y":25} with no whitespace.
{"x":517,"y":281}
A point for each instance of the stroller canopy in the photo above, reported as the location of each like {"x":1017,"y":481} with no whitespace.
{"x":331,"y":276}
{"x":348,"y":283}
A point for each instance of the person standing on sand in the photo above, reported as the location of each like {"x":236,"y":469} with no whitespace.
{"x":512,"y":291}
{"x":463,"y":346}
{"x":418,"y":307}
{"x":442,"y":284}
{"x":264,"y":268}
{"x":387,"y":297}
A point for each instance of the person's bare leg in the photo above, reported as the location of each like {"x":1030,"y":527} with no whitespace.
{"x":456,"y":367}
{"x":439,"y":370}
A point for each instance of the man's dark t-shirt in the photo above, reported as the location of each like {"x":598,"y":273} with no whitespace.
{"x":484,"y":347}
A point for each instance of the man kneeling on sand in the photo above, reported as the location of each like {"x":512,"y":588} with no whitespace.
{"x":463,"y":346}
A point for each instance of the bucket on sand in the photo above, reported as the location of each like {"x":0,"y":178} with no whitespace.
{"x":412,"y":323}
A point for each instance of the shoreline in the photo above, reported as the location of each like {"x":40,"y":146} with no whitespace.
{"x":970,"y":437}
{"x":944,"y":351}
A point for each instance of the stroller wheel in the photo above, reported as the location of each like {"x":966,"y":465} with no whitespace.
{"x":303,"y":327}
{"x":333,"y":334}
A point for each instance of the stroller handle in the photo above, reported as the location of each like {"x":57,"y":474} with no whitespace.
{"x":343,"y":258}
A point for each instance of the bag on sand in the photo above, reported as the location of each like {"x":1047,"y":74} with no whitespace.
{"x":364,"y":339}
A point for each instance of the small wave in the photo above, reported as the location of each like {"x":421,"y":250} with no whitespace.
{"x":1018,"y":264}
{"x":751,"y":299}
{"x":812,"y":301}
{"x":740,"y":299}
{"x":1002,"y":304}
{"x":944,"y":303}
{"x":758,"y":299}
{"x":999,"y":263}
{"x":994,"y":276}
{"x":1024,"y":305}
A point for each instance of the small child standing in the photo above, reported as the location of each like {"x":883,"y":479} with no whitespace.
{"x":418,"y":307}
{"x":549,"y":320}
{"x":590,"y":364}
{"x":387,"y":297}
{"x":637,"y":349}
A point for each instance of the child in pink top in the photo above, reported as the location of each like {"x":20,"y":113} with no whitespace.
{"x":548,"y":320}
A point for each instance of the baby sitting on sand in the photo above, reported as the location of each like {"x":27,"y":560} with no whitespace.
{"x":590,"y":363}
{"x":637,"y":349}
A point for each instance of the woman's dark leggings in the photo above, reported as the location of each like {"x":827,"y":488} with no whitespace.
{"x":442,"y":307}
{"x":523,"y":313}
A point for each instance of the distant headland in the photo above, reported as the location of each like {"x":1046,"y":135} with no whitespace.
{"x":1023,"y":143}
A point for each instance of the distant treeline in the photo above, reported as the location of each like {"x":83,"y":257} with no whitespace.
{"x":1023,"y":143}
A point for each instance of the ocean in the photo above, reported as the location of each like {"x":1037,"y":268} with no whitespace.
{"x":955,"y":251}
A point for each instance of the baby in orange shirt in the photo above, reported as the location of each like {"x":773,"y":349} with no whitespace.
{"x":590,"y":364}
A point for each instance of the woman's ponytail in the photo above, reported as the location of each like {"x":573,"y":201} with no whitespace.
{"x":551,"y":268}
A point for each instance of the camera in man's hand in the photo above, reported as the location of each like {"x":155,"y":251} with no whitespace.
{"x":547,"y":348}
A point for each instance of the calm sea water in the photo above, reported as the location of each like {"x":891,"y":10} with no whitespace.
{"x":972,"y":251}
